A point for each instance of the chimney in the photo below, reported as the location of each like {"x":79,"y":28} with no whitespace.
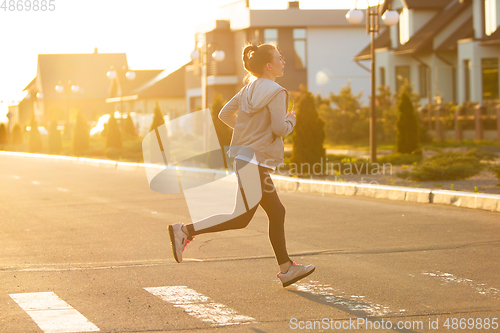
{"x":293,"y":4}
{"x":95,"y":50}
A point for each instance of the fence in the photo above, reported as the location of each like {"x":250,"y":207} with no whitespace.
{"x":469,"y":121}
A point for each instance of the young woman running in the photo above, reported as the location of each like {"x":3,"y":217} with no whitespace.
{"x":259,"y":118}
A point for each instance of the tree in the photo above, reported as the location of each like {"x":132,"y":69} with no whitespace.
{"x":17,"y":135}
{"x":347,"y":121}
{"x":309,"y":133}
{"x":35,"y":138}
{"x":223,"y":131}
{"x":55,"y":138}
{"x":3,"y":134}
{"x":158,"y":119}
{"x":407,"y":140}
{"x":81,"y":134}
{"x":129,"y":127}
{"x":114,"y":136}
{"x":214,"y":159}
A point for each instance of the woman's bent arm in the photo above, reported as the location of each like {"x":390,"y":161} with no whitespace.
{"x":228,"y":113}
{"x":281,"y":124}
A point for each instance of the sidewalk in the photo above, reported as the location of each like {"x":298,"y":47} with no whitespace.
{"x":490,"y":202}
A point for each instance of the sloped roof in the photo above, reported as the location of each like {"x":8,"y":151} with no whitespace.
{"x":465,"y":31}
{"x":88,"y":71}
{"x":426,"y":4}
{"x":383,"y":40}
{"x":420,"y":4}
{"x":166,"y":84}
{"x":422,"y":39}
{"x":494,"y":39}
{"x":127,"y":86}
{"x":31,"y":84}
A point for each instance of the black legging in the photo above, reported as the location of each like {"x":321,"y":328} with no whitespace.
{"x":271,"y":204}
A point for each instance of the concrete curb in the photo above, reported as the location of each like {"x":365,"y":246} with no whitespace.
{"x":489,"y":202}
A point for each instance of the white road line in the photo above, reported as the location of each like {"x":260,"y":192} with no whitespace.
{"x":35,"y":182}
{"x":62,"y":189}
{"x":199,"y":306}
{"x":353,"y":303}
{"x":481,"y":288}
{"x":16,"y":177}
{"x":52,"y":314}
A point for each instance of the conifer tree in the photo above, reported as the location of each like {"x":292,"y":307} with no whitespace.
{"x":113,"y":137}
{"x":407,"y":134}
{"x":309,"y":133}
{"x":17,"y":135}
{"x":55,"y":138}
{"x":158,"y":119}
{"x":224,"y":132}
{"x":129,"y":127}
{"x":35,"y":138}
{"x":214,"y":158}
{"x":3,"y":134}
{"x":81,"y":134}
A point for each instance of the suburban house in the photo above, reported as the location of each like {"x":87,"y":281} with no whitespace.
{"x":165,"y":89}
{"x":317,"y":44}
{"x":448,"y":50}
{"x":67,"y":83}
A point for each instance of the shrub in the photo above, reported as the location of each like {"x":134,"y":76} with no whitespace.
{"x":81,"y":135}
{"x":448,"y":166}
{"x":400,"y":159}
{"x":55,"y":140}
{"x":35,"y":138}
{"x":309,"y":133}
{"x":3,"y":134}
{"x":496,"y":170}
{"x":129,"y":127}
{"x":406,"y":126}
{"x":17,"y":135}
{"x":114,"y":136}
{"x":158,"y":119}
{"x":214,"y":159}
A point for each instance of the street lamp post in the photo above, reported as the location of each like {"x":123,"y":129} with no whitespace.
{"x":67,"y":89}
{"x":390,"y":17}
{"x":201,"y":52}
{"x":112,"y":75}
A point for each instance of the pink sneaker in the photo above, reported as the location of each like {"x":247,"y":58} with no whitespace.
{"x":179,"y":240}
{"x":295,"y":273}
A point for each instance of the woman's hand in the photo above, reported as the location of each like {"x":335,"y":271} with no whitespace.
{"x":291,"y":117}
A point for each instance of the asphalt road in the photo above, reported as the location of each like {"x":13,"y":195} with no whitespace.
{"x":86,"y":248}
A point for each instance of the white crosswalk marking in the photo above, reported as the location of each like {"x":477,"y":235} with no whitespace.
{"x":52,"y":314}
{"x":199,"y":306}
{"x":352,"y":303}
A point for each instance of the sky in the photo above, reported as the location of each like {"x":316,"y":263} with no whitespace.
{"x":155,"y":34}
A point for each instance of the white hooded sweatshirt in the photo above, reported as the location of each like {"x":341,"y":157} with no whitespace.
{"x":258,"y":116}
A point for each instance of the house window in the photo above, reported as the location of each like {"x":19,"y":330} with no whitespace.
{"x":467,"y":79}
{"x":404,"y":26}
{"x":490,"y":16}
{"x":489,"y":68}
{"x":402,"y":76}
{"x":299,"y":47}
{"x":254,"y":37}
{"x":382,"y":76}
{"x":422,"y":81}
{"x":271,"y":36}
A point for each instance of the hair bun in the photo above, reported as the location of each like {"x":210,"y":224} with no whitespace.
{"x":249,"y":51}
